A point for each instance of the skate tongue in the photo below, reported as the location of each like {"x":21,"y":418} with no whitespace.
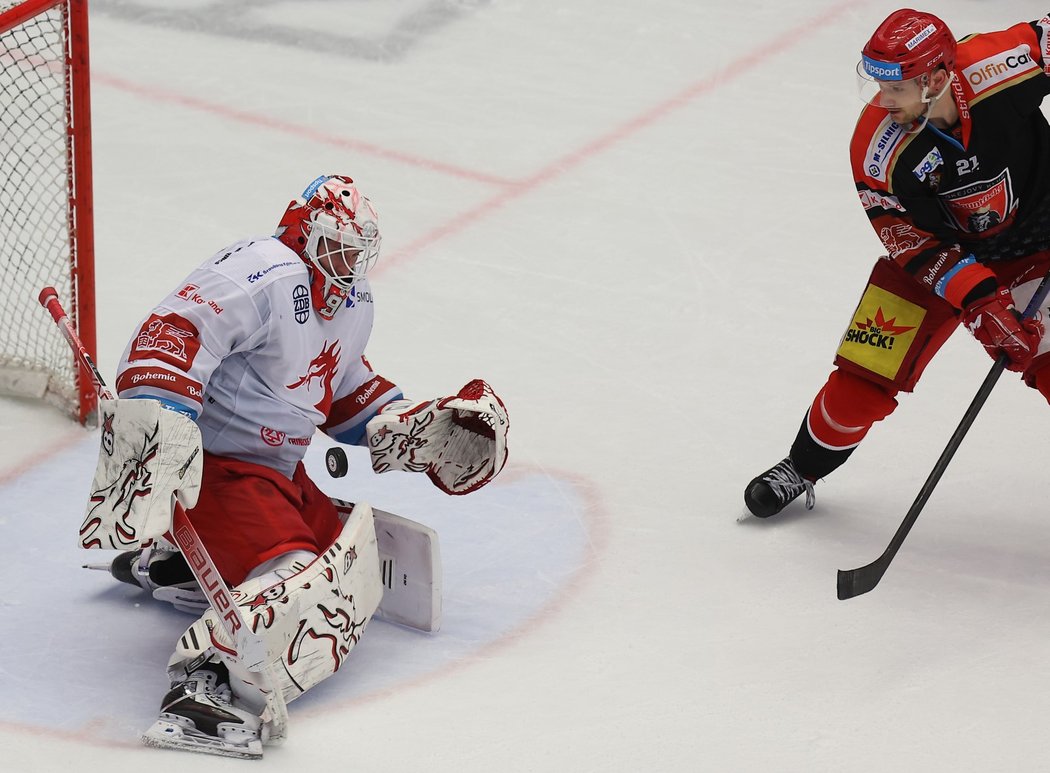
{"x":168,"y":735}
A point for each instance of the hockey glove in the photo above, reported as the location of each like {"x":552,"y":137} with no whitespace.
{"x":998,"y":326}
{"x":460,"y":442}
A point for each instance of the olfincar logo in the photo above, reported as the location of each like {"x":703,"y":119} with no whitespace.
{"x":994,"y":70}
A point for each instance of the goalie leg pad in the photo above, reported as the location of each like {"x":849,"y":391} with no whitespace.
{"x":410,"y":564}
{"x":308,"y":620}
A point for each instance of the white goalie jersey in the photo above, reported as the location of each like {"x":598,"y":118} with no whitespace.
{"x":240,"y":348}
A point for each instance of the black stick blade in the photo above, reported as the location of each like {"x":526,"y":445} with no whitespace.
{"x":856,"y":582}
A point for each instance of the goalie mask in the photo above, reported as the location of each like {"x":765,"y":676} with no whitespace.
{"x":335,"y":230}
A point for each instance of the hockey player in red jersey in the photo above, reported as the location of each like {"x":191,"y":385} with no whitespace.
{"x":220,"y":391}
{"x":951,"y":157}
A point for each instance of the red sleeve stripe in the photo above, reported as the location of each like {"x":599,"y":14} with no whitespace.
{"x":151,"y":380}
{"x":362,"y":399}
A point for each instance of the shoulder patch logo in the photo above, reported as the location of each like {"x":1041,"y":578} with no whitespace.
{"x":168,"y":338}
{"x":999,"y":68}
{"x":881,"y":148}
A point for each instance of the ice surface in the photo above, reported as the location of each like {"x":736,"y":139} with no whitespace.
{"x":636,"y":220}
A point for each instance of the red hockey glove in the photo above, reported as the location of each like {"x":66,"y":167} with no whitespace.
{"x":998,"y":326}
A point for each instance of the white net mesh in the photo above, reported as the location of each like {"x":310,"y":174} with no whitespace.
{"x":35,"y":241}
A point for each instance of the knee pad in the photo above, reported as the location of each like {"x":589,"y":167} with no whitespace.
{"x":852,"y":403}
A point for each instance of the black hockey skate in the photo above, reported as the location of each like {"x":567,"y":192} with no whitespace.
{"x":151,"y":568}
{"x":161,"y":570}
{"x":774,"y":489}
{"x":198,"y":715}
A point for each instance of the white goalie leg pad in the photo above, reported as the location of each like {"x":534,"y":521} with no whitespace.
{"x":410,"y":565}
{"x":148,"y":455}
{"x":460,"y":442}
{"x":309,"y":618}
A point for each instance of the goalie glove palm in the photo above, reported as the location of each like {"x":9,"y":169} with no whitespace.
{"x":460,"y":442}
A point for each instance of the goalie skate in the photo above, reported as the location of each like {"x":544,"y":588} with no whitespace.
{"x":198,"y":715}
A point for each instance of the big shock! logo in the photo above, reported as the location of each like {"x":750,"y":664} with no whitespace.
{"x":881,"y":332}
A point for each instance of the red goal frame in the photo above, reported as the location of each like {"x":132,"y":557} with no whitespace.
{"x":80,"y":208}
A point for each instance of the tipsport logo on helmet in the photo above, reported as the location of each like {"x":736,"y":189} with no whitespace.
{"x":881,"y":71}
{"x":312,"y":188}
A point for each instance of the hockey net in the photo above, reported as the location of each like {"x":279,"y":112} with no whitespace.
{"x":45,"y":200}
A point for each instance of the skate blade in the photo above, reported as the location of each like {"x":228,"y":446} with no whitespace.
{"x":167,"y":735}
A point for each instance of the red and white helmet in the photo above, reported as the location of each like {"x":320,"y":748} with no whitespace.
{"x":906,"y":45}
{"x":335,"y":230}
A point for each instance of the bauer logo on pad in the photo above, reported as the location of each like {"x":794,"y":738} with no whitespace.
{"x":882,"y":331}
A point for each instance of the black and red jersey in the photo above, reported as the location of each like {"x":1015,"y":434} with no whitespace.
{"x":945,"y":203}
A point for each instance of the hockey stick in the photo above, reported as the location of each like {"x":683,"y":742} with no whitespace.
{"x":854,"y":582}
{"x":250,"y":647}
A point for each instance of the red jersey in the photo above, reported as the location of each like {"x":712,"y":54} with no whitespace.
{"x":945,"y":203}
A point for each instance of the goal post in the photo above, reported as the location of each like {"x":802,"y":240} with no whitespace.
{"x":46,"y":227}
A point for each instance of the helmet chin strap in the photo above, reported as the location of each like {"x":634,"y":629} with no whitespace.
{"x":930,"y":102}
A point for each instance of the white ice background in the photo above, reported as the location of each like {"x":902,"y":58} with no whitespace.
{"x":637,"y":221}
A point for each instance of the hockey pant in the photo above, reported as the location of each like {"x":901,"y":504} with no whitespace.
{"x":896,"y":330}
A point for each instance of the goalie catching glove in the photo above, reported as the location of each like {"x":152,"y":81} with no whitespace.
{"x":149,"y":456}
{"x":460,"y":442}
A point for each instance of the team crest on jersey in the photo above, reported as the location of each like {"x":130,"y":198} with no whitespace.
{"x":169,"y":338}
{"x":322,"y":370}
{"x":980,"y":206}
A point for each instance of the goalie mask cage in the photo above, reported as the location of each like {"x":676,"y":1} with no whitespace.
{"x":46,"y":235}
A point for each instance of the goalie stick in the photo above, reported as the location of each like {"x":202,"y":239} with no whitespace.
{"x":854,"y":582}
{"x":252,"y":649}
